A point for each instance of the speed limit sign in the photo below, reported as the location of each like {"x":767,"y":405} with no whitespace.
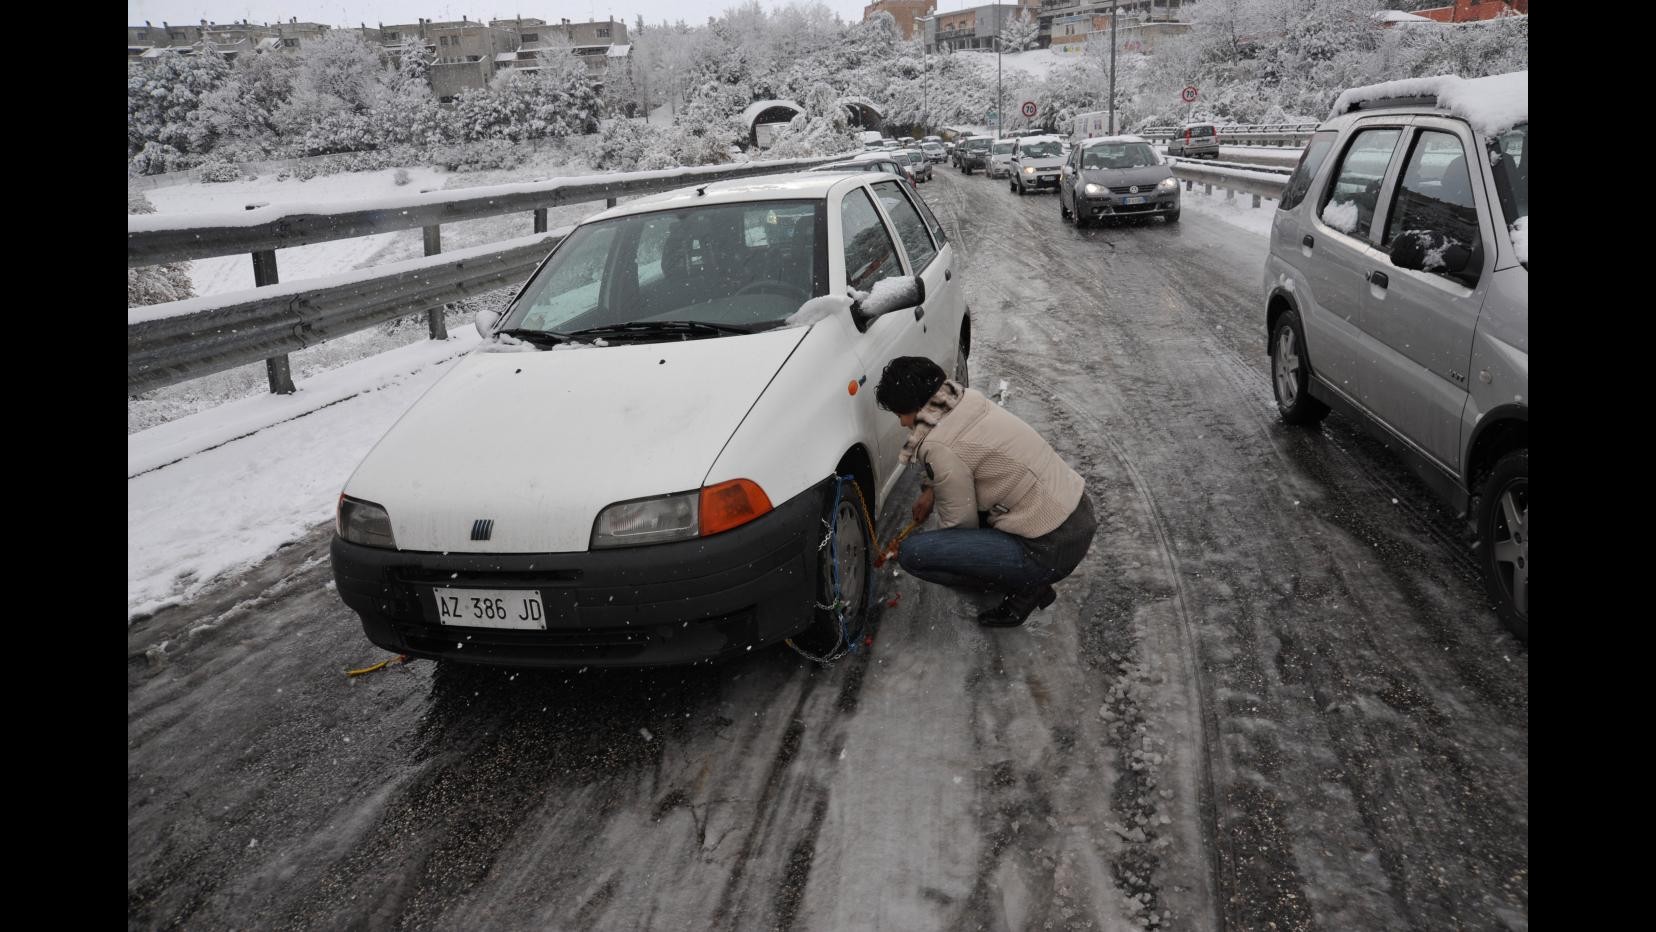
{"x":1029,"y":108}
{"x":1188,"y":95}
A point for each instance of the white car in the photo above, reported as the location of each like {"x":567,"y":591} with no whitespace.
{"x":1036,"y":162}
{"x":668,"y":448}
{"x":1000,"y":158}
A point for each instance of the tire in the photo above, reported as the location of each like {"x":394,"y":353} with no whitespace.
{"x":1174,"y":216}
{"x":1018,"y":188}
{"x":963,"y":363}
{"x":853,"y":553}
{"x":1503,"y":539}
{"x":1291,"y":373}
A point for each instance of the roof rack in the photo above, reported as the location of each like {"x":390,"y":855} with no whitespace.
{"x":1383,"y":103}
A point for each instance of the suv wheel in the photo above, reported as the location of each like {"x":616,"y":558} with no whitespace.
{"x":1503,"y":539}
{"x":1291,"y":373}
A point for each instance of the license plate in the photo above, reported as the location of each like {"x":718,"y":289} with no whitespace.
{"x":491,"y":608}
{"x":1132,"y":200}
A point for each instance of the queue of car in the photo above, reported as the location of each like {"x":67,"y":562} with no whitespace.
{"x":687,"y":339}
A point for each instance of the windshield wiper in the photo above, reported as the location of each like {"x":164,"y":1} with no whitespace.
{"x":537,"y":337}
{"x":645,"y":327}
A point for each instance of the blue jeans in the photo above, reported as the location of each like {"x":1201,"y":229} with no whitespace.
{"x":976,"y":558}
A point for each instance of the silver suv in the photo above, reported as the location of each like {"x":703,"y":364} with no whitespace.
{"x":1397,"y":291}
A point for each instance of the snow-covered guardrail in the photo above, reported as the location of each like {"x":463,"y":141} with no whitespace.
{"x":1260,"y":182}
{"x":182,"y":340}
{"x":1247,"y":134}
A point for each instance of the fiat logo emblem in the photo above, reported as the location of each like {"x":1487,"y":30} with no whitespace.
{"x":1133,"y":189}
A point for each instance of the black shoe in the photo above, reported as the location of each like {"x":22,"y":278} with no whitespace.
{"x":1047,"y":597}
{"x":1014,"y":609}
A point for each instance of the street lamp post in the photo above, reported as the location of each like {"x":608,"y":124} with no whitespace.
{"x":1000,"y":117}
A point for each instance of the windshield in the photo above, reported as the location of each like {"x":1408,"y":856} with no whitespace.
{"x":1003,"y":148}
{"x":1509,"y":161}
{"x":748,"y":265}
{"x":1041,"y":150}
{"x":977,"y":144}
{"x":1118,"y":155}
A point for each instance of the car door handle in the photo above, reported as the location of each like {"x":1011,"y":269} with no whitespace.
{"x":1309,"y":241}
{"x":1378,"y":279}
{"x":948,"y":274}
{"x":919,"y":312}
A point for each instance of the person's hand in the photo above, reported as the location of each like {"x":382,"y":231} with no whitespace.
{"x":923,"y":505}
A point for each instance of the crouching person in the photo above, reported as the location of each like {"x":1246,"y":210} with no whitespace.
{"x":983,"y":464}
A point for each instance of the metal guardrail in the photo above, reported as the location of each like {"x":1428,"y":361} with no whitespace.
{"x":1231,"y":180}
{"x":183,"y":340}
{"x":1270,"y":134}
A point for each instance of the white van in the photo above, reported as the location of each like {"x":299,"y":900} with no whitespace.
{"x":1091,"y":125}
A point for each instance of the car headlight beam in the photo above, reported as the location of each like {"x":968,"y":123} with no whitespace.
{"x":1029,"y":169}
{"x":1094,"y":190}
{"x":654,"y":520}
{"x":1169,"y":184}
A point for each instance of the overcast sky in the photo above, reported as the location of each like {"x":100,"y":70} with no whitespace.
{"x":352,"y":12}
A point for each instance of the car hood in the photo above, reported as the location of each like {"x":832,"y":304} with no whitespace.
{"x":1116,"y":177}
{"x":540,"y":442}
{"x":1049,"y":162}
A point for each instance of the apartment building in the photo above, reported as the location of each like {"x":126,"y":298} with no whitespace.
{"x":905,"y":12}
{"x":973,"y":28}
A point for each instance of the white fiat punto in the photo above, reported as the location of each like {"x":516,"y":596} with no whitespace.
{"x":643,"y":463}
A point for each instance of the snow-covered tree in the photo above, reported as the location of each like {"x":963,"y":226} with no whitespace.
{"x":163,"y":96}
{"x":241,"y":113}
{"x":155,"y":284}
{"x":1020,"y":32}
{"x":822,"y":128}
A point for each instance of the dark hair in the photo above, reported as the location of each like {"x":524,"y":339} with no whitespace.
{"x":907,"y":383}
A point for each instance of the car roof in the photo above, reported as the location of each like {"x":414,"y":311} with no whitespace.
{"x":1113,"y":139}
{"x":799,"y":185}
{"x":1491,"y":104}
{"x":1200,"y":123}
{"x":1042,"y":137}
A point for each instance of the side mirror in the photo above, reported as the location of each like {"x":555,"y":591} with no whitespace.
{"x":888,"y":295}
{"x":1430,"y":251}
{"x":485,"y":321}
{"x":1068,"y":170}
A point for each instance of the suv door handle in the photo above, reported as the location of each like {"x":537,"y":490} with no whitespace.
{"x":1309,"y":241}
{"x":948,"y":274}
{"x":1379,"y":279}
{"x":919,"y":312}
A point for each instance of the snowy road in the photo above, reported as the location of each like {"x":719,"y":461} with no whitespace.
{"x":1272,"y":696}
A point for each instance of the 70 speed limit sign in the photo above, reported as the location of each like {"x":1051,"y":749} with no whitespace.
{"x":1188,"y":95}
{"x":1029,"y":109}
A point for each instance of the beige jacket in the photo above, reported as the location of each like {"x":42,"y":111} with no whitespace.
{"x":981,"y":457}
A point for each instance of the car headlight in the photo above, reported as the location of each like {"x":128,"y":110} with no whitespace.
{"x":1094,"y":190}
{"x":1169,"y":184}
{"x":1029,"y":170}
{"x":685,"y":515}
{"x":364,"y":523}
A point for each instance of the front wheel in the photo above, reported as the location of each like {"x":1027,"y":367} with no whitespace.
{"x":845,"y":576}
{"x":1291,"y":373}
{"x":963,"y":363}
{"x":1174,"y":216}
{"x":1503,"y":539}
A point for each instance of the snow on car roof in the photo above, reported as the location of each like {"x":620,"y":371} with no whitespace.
{"x":1043,"y":137}
{"x":1491,"y":105}
{"x":1085,"y":143}
{"x":790,"y":186}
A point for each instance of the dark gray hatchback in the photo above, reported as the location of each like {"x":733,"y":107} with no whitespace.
{"x":1117,"y":176}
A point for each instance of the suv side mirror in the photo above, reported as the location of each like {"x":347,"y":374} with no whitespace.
{"x":888,"y":295}
{"x":1430,"y":251}
{"x":485,"y":321}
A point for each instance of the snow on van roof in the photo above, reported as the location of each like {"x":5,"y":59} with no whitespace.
{"x":1491,"y":105}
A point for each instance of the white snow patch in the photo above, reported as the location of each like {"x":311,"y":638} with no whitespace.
{"x":1341,"y":216}
{"x":888,"y":294}
{"x":817,"y":309}
{"x":1491,"y":105}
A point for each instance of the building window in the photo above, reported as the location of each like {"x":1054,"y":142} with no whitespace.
{"x":393,"y":36}
{"x":142,"y":35}
{"x":176,"y":35}
{"x":291,"y":43}
{"x":531,"y":37}
{"x":442,"y":40}
{"x":603,"y":32}
{"x":474,"y":58}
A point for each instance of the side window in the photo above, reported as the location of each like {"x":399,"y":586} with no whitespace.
{"x":910,"y":227}
{"x":1435,"y":194}
{"x":870,"y":254}
{"x":931,"y":219}
{"x":1348,"y":205}
{"x":1299,"y":184}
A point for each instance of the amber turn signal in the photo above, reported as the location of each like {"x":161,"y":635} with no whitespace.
{"x":731,"y":504}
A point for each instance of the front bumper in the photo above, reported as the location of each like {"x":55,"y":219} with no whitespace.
{"x":1114,"y":205}
{"x":1039,"y":181}
{"x":638,"y":606}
